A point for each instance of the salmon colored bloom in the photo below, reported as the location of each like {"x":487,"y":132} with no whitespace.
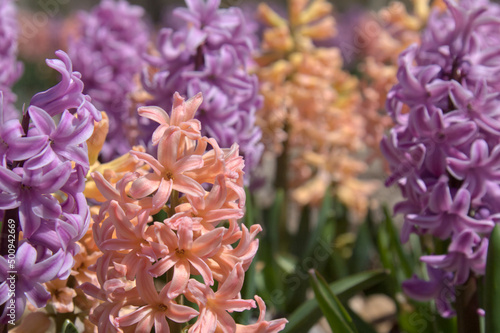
{"x":262,"y":326}
{"x":192,"y":240}
{"x":213,"y":207}
{"x":158,"y":307}
{"x":214,"y":306}
{"x":62,"y":295}
{"x":182,"y":253}
{"x":181,"y":118}
{"x":168,"y":172}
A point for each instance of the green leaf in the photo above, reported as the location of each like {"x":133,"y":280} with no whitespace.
{"x":332,"y":309}
{"x":249,"y":209}
{"x":404,"y":261}
{"x":269,"y":279}
{"x":68,"y":327}
{"x":302,"y":319}
{"x":492,"y":283}
{"x":318,"y":233}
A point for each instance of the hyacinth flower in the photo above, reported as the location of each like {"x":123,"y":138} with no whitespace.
{"x":210,"y":53}
{"x":444,"y":149}
{"x":310,"y":114}
{"x":107,"y":50}
{"x":378,"y":40}
{"x":42,"y":177}
{"x":188,"y":241}
{"x":12,"y":69}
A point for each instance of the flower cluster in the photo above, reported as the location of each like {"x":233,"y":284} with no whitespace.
{"x":383,"y":37}
{"x":210,"y":54}
{"x":42,"y":177}
{"x":198,"y":190}
{"x":444,"y":151}
{"x":11,"y":68}
{"x":310,"y":107}
{"x":108,"y":51}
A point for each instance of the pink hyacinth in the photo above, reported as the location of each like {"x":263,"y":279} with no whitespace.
{"x":192,"y":241}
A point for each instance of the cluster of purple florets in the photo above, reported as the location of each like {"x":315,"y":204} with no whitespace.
{"x":43,"y":168}
{"x":11,"y":67}
{"x":108,"y":51}
{"x":444,"y":151}
{"x":210,"y":54}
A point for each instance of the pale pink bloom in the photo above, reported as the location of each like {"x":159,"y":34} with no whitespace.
{"x":214,"y":207}
{"x":226,"y":162}
{"x":214,"y":307}
{"x":159,"y":306}
{"x":181,"y":118}
{"x":223,"y":262}
{"x":103,"y":317}
{"x":182,"y":252}
{"x":118,"y":194}
{"x":62,"y":295}
{"x":262,"y":326}
{"x":167,"y":172}
{"x":134,"y":238}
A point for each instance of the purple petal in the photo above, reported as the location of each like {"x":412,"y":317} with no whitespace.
{"x":38,"y":295}
{"x":42,"y":120}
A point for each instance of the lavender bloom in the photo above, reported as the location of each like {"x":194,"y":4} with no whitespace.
{"x":67,"y":94}
{"x":444,"y":151}
{"x":31,"y":193}
{"x":42,"y":185}
{"x":31,"y":272}
{"x":210,"y":55}
{"x":439,"y":287}
{"x":11,"y":69}
{"x":108,"y":53}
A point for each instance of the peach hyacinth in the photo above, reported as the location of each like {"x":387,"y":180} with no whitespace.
{"x":311,"y":106}
{"x":163,"y":227}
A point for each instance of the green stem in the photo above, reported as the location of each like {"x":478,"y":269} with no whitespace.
{"x":281,"y":179}
{"x":467,"y":305}
{"x":174,"y":202}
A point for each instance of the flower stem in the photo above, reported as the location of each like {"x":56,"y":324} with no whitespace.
{"x":467,"y":305}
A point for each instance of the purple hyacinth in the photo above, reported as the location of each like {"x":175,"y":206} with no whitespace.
{"x":444,"y":151}
{"x":210,"y":54}
{"x":11,"y":69}
{"x":108,"y":52}
{"x":42,"y":177}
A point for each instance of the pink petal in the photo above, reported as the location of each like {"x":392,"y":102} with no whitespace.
{"x":203,"y":269}
{"x":232,"y":285}
{"x":167,"y":149}
{"x":207,"y":322}
{"x":180,"y":278}
{"x":239,"y":304}
{"x":162,"y":195}
{"x":185,"y":234}
{"x":154,"y":113}
{"x":188,"y":163}
{"x":226,"y":321}
{"x":146,"y":324}
{"x":145,"y":185}
{"x":162,"y":266}
{"x":208,"y":243}
{"x":188,"y":185}
{"x":106,"y":189}
{"x":146,"y":287}
{"x":180,"y":313}
{"x":192,"y":106}
{"x":161,"y":324}
{"x":178,"y":108}
{"x":157,"y":167}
